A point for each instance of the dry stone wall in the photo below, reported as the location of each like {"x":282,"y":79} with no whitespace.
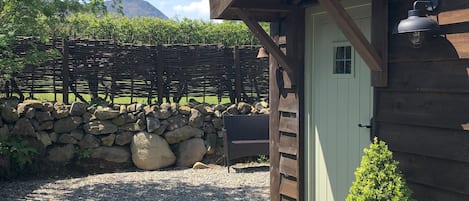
{"x":149,"y":136}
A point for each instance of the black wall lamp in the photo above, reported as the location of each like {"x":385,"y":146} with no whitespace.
{"x":417,"y":24}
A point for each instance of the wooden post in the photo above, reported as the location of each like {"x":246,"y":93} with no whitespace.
{"x":237,"y":66}
{"x":131,"y":88}
{"x":274,"y":97}
{"x":159,"y":73}
{"x":65,"y":71}
{"x":53,"y":73}
{"x":379,"y":39}
{"x":31,"y":93}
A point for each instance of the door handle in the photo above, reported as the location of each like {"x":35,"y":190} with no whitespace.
{"x":364,"y":126}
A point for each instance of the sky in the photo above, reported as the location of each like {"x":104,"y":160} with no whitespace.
{"x":193,"y":9}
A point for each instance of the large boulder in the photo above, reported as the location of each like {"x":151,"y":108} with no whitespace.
{"x":89,"y":141}
{"x":111,"y":154}
{"x":67,"y":124}
{"x":190,"y":152}
{"x":182,"y":134}
{"x":61,"y":154}
{"x":151,"y":152}
{"x":100,"y":127}
{"x":105,"y":113}
{"x":78,"y":108}
{"x":9,"y":114}
{"x":24,"y":127}
{"x":197,"y":118}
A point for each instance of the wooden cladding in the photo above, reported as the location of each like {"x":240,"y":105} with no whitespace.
{"x":288,"y":147}
{"x":289,"y":188}
{"x":288,"y":103}
{"x":288,"y":144}
{"x":422,"y":114}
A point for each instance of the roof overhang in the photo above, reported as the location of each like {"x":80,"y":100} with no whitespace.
{"x":262,"y":10}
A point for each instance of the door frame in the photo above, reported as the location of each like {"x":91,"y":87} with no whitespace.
{"x":309,"y":140}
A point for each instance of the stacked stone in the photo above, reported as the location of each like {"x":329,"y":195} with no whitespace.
{"x":151,"y":136}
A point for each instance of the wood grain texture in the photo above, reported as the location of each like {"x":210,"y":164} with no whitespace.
{"x":425,"y":141}
{"x":288,"y":145}
{"x":288,"y":167}
{"x":379,"y":40}
{"x":289,"y":103}
{"x":288,"y":125}
{"x":289,"y":188}
{"x":421,"y":114}
{"x":438,"y":110}
{"x":445,"y":175}
{"x":427,"y":193}
{"x":218,"y":7}
{"x":274,"y":122}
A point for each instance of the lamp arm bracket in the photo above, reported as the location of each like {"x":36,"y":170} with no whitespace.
{"x":430,"y":5}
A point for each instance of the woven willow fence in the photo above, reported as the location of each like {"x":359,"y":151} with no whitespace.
{"x":165,"y":73}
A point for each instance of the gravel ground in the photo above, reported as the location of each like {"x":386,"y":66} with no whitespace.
{"x":246,"y":182}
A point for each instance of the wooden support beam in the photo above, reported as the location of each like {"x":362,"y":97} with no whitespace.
{"x":267,"y":42}
{"x":379,"y":40}
{"x":453,"y":5}
{"x":353,"y":34}
{"x":218,"y":7}
{"x":461,"y":27}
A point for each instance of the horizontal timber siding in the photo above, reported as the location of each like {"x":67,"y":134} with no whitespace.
{"x":423,"y":114}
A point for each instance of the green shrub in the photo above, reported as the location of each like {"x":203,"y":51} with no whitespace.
{"x":378,"y":177}
{"x":19,"y":150}
{"x":83,"y":153}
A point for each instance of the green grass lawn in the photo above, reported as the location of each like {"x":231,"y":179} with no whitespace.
{"x":126,"y":100}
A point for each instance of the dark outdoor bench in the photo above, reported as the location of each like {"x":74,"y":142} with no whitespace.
{"x":245,"y":136}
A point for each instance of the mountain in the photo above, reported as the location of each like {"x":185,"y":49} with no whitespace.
{"x":137,"y":8}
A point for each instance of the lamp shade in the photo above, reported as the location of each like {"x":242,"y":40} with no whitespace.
{"x":417,"y":22}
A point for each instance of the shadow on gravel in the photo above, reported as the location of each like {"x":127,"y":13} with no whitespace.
{"x":19,"y":190}
{"x":163,"y":190}
{"x":251,"y":169}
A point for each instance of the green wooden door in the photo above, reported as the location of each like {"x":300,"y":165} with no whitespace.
{"x":341,"y":98}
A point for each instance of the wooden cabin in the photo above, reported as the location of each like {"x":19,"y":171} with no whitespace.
{"x":345,"y":77}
